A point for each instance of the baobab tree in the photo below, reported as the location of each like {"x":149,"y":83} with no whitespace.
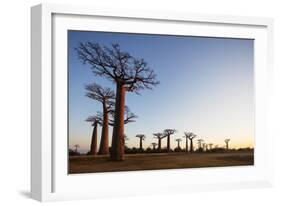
{"x":154,"y":145}
{"x":130,"y":74}
{"x":204,"y":146}
{"x":186,"y":143}
{"x":211,"y":146}
{"x":76,"y":146}
{"x":95,"y":122}
{"x":200,"y":143}
{"x":190,"y":136}
{"x":141,"y":137}
{"x":167,"y":133}
{"x":178,"y":140}
{"x":105,"y":96}
{"x":125,"y":138}
{"x":129,"y":117}
{"x":226,"y":143}
{"x":159,"y":136}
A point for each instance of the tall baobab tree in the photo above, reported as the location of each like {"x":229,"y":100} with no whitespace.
{"x":190,"y":136}
{"x":186,"y":143}
{"x":200,"y":143}
{"x":106,"y":97}
{"x":141,"y":137}
{"x":95,"y":122}
{"x":168,"y":133}
{"x":154,"y":144}
{"x":226,"y":143}
{"x":178,"y":140}
{"x":211,"y":146}
{"x":130,"y":74}
{"x":159,"y":136}
{"x":76,"y":146}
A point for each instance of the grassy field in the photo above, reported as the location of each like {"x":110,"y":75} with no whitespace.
{"x":89,"y":164}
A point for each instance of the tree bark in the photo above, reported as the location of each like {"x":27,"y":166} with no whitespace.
{"x":140,"y":144}
{"x":118,"y":142}
{"x":191,"y":145}
{"x":186,"y":145}
{"x":159,"y":144}
{"x":93,"y":150}
{"x":104,"y":133}
{"x":168,"y":143}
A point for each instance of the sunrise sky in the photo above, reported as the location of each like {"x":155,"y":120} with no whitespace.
{"x":206,"y":87}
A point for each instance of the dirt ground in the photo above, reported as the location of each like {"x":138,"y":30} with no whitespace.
{"x":133,"y":162}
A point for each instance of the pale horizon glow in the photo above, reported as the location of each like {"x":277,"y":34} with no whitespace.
{"x":206,"y":87}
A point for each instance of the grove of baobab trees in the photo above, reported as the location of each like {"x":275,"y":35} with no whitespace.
{"x":159,"y":136}
{"x":129,"y":74}
{"x":190,"y":136}
{"x":167,"y":133}
{"x":106,"y":97}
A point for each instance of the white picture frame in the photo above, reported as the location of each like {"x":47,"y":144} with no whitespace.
{"x":49,"y":179}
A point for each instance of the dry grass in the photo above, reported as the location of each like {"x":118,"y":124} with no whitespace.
{"x":89,"y":164}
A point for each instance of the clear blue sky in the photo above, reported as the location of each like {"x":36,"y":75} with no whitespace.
{"x":206,"y":87}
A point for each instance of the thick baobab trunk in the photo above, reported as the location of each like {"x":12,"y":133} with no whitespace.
{"x":159,"y":144}
{"x":186,"y":145}
{"x":191,"y":145}
{"x":93,"y":150}
{"x":118,"y":142}
{"x":140,"y":144}
{"x":104,"y":133}
{"x":168,"y":143}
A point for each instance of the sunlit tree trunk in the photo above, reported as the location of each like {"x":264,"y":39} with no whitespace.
{"x":93,"y":150}
{"x":118,"y":142}
{"x":104,"y":133}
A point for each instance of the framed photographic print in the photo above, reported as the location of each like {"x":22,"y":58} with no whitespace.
{"x":120,"y":98}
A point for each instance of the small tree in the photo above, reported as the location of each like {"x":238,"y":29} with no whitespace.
{"x":159,"y":136}
{"x":168,"y":133}
{"x":127,"y":72}
{"x":190,"y":136}
{"x":178,"y":140}
{"x":226,"y":143}
{"x":76,"y":146}
{"x":141,"y":137}
{"x":211,"y":146}
{"x":154,"y":145}
{"x":200,"y":143}
{"x":95,"y":122}
{"x":106,"y":97}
